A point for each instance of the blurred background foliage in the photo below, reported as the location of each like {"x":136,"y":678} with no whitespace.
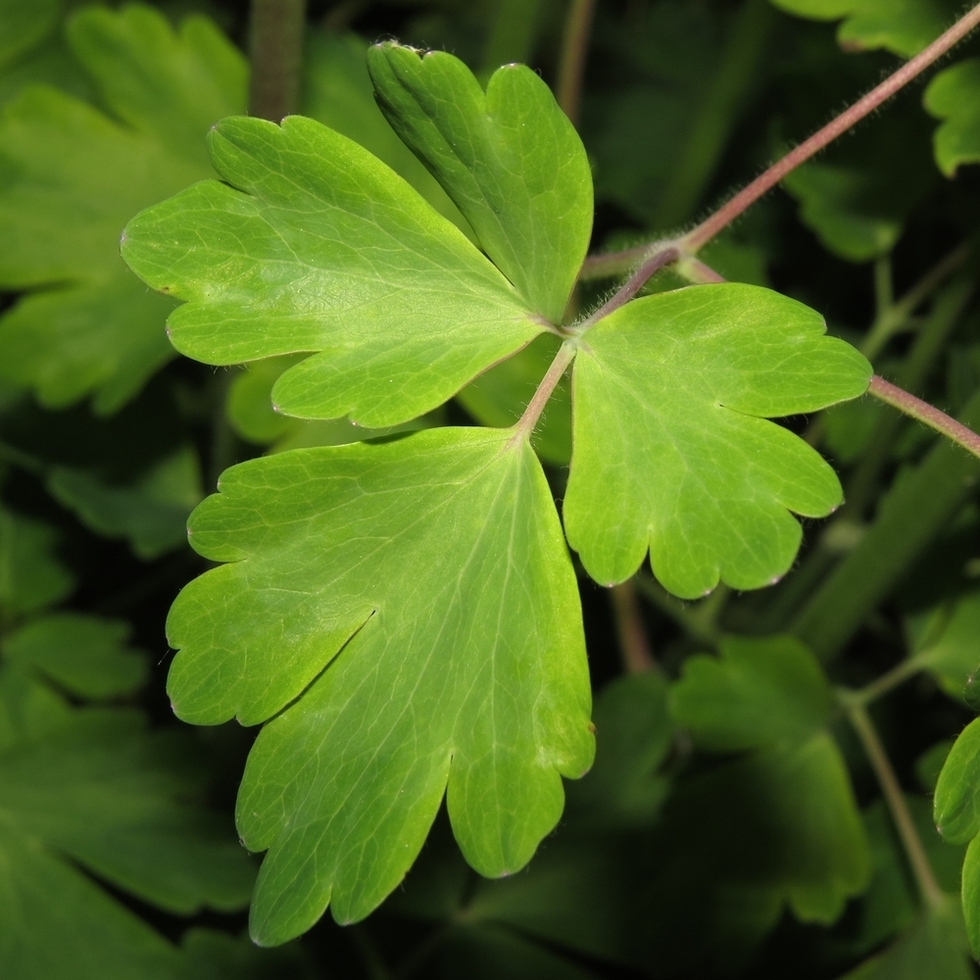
{"x":732,"y":826}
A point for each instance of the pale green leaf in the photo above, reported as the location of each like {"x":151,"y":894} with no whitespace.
{"x":150,"y":513}
{"x":509,"y":158}
{"x":954,"y":97}
{"x":971,"y":895}
{"x":85,"y":655}
{"x":499,"y":396}
{"x":317,"y":246}
{"x":957,"y":799}
{"x":70,"y":178}
{"x":672,"y":448}
{"x":904,"y":27}
{"x":31,"y":577}
{"x":758,"y":692}
{"x":406,"y":556}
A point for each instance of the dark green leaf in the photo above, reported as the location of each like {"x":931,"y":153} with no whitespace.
{"x":759,"y":692}
{"x":509,"y":158}
{"x":30,"y":576}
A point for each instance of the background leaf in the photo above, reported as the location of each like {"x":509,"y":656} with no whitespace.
{"x":952,"y":96}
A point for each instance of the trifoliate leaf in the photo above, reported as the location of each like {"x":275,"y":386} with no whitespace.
{"x":954,"y":96}
{"x":509,"y":159}
{"x":402,"y":558}
{"x":672,"y":449}
{"x":957,"y":799}
{"x":30,"y":576}
{"x":72,"y":177}
{"x":934,"y":948}
{"x":317,"y":246}
{"x":499,"y":396}
{"x":85,"y":655}
{"x":337,"y":92}
{"x":904,"y":27}
{"x":758,"y":692}
{"x":151,"y":513}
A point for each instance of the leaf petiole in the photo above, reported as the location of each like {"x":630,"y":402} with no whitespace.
{"x":526,"y":423}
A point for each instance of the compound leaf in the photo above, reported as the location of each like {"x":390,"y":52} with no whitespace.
{"x":72,"y":177}
{"x":904,"y":27}
{"x":957,"y":800}
{"x":434,"y":566}
{"x":672,"y":450}
{"x":509,"y":159}
{"x":318,"y":246}
{"x":954,"y":96}
{"x":30,"y":575}
{"x":759,"y":692}
{"x":85,"y":655}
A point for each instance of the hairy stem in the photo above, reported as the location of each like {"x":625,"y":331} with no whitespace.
{"x":630,"y":630}
{"x":932,"y":894}
{"x":526,"y":423}
{"x":276,"y":49}
{"x":571,"y":67}
{"x":728,"y":212}
{"x":925,"y":413}
{"x":632,"y":286}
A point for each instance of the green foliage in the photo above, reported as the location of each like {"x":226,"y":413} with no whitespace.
{"x":31,"y":577}
{"x":952,"y":97}
{"x":90,"y":328}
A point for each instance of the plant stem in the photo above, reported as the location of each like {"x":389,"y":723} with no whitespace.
{"x":613,"y":264}
{"x":277,"y":55}
{"x":631,"y":287}
{"x":696,"y":271}
{"x":932,"y":894}
{"x":728,"y":212}
{"x":571,"y":66}
{"x":526,"y":423}
{"x":925,"y":413}
{"x":630,"y":630}
{"x":899,"y":674}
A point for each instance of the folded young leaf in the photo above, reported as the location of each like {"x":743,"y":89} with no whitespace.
{"x":759,"y":692}
{"x":318,"y":246}
{"x":509,"y":159}
{"x":74,"y":176}
{"x":435,"y":567}
{"x":672,"y":450}
{"x":954,"y":96}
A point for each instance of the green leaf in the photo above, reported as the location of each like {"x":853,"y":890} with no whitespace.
{"x":337,"y":92}
{"x":903,"y":27}
{"x":672,"y":450}
{"x":954,"y":97}
{"x":499,"y":396}
{"x":509,"y":158}
{"x":405,"y":555}
{"x":757,"y":693}
{"x":947,"y":642}
{"x":24,"y":25}
{"x":934,"y":948}
{"x":30,"y":576}
{"x":487,"y":952}
{"x":94,"y":788}
{"x":85,"y":655}
{"x":213,"y":955}
{"x":71,"y":176}
{"x":634,"y":734}
{"x":957,"y":799}
{"x":151,"y":513}
{"x":971,"y":895}
{"x":318,"y":246}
